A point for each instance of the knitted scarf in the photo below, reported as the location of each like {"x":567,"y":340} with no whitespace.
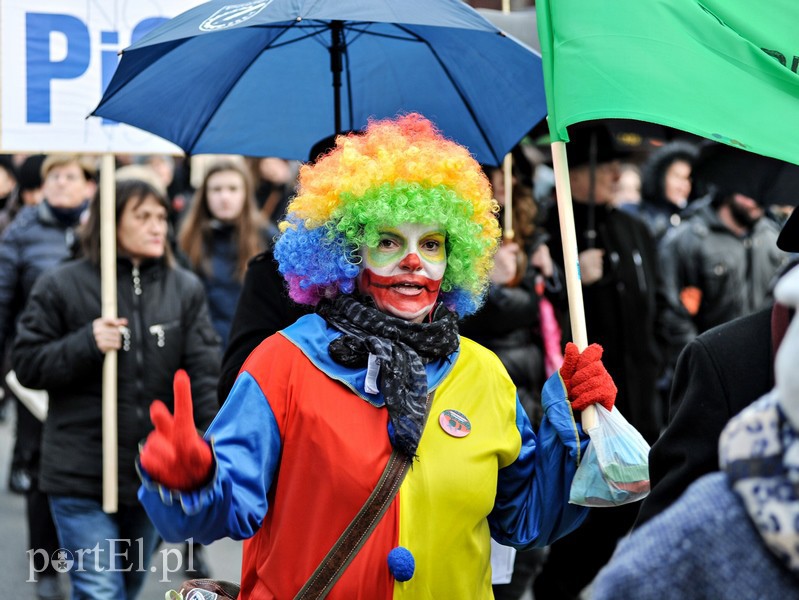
{"x":400,"y":349}
{"x":759,"y":451}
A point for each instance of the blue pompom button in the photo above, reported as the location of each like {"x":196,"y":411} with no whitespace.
{"x":401,"y":563}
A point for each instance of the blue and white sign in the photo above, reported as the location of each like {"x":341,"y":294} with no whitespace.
{"x":56,"y":58}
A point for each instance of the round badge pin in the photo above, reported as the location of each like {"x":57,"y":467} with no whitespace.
{"x":455,"y":423}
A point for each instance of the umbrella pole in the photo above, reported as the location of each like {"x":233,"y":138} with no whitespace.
{"x":590,"y":230}
{"x":108,"y":286}
{"x":337,"y":48}
{"x":507,"y":173}
{"x":570,"y":259}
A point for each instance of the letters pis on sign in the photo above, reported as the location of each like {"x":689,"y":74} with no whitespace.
{"x":57,"y":57}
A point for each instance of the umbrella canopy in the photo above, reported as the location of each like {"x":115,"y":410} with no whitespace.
{"x":272,"y":77}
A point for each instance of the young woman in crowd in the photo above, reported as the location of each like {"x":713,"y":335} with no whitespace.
{"x":222,"y":231}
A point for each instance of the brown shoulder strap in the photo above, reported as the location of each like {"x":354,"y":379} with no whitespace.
{"x":358,"y":531}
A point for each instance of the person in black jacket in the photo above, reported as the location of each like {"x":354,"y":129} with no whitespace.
{"x":619,"y":271}
{"x":221,"y":232}
{"x":60,"y":346}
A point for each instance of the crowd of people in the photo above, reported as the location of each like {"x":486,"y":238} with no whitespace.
{"x":679,"y":253}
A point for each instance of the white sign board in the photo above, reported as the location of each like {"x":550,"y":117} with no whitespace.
{"x":56,"y":58}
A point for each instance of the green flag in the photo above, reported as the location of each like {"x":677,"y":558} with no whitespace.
{"x":722,"y":69}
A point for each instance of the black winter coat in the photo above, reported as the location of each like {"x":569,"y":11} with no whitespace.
{"x":264,"y":308}
{"x":735,"y":274}
{"x":620,"y":309}
{"x":718,"y":374}
{"x":168,"y":329}
{"x":33,"y":243}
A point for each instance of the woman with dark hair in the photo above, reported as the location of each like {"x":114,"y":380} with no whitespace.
{"x":222,"y":231}
{"x":391,"y":237}
{"x":60,"y":346}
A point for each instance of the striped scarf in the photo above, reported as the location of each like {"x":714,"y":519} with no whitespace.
{"x":401,"y":348}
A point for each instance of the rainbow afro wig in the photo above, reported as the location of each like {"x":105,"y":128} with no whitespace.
{"x":398,"y":171}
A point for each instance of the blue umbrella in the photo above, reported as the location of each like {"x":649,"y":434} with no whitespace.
{"x":273,"y":77}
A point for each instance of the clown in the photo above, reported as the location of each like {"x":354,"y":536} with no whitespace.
{"x":403,"y":272}
{"x":391,"y":237}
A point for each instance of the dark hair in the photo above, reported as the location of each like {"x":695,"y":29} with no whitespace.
{"x":30,"y":172}
{"x":129,"y":190}
{"x":7,"y":163}
{"x":195,"y":231}
{"x":653,"y":175}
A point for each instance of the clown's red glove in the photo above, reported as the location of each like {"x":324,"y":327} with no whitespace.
{"x":587,"y":381}
{"x":175,"y":455}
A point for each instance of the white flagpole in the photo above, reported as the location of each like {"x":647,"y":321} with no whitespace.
{"x":570,"y":260}
{"x":108,"y":279}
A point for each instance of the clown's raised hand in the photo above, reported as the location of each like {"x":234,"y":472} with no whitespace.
{"x":175,"y":455}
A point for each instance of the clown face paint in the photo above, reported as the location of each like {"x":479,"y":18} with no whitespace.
{"x":403,"y":272}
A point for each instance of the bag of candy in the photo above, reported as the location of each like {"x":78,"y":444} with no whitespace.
{"x":615,"y":468}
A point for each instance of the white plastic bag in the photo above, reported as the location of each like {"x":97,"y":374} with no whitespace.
{"x":615,"y":468}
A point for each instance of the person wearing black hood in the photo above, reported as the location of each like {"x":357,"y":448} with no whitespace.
{"x":720,"y":262}
{"x":618,"y":264}
{"x":665,"y":187}
{"x":39,"y":238}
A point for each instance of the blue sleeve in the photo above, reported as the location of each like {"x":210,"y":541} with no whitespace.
{"x":532,"y":505}
{"x":246,"y":443}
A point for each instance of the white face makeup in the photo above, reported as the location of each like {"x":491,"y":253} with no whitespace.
{"x":403,"y":273}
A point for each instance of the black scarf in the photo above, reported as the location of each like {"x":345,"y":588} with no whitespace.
{"x":68,"y":217}
{"x":401,"y":347}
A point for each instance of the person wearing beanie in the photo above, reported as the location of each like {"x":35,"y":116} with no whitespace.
{"x":30,"y":179}
{"x":391,"y":238}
